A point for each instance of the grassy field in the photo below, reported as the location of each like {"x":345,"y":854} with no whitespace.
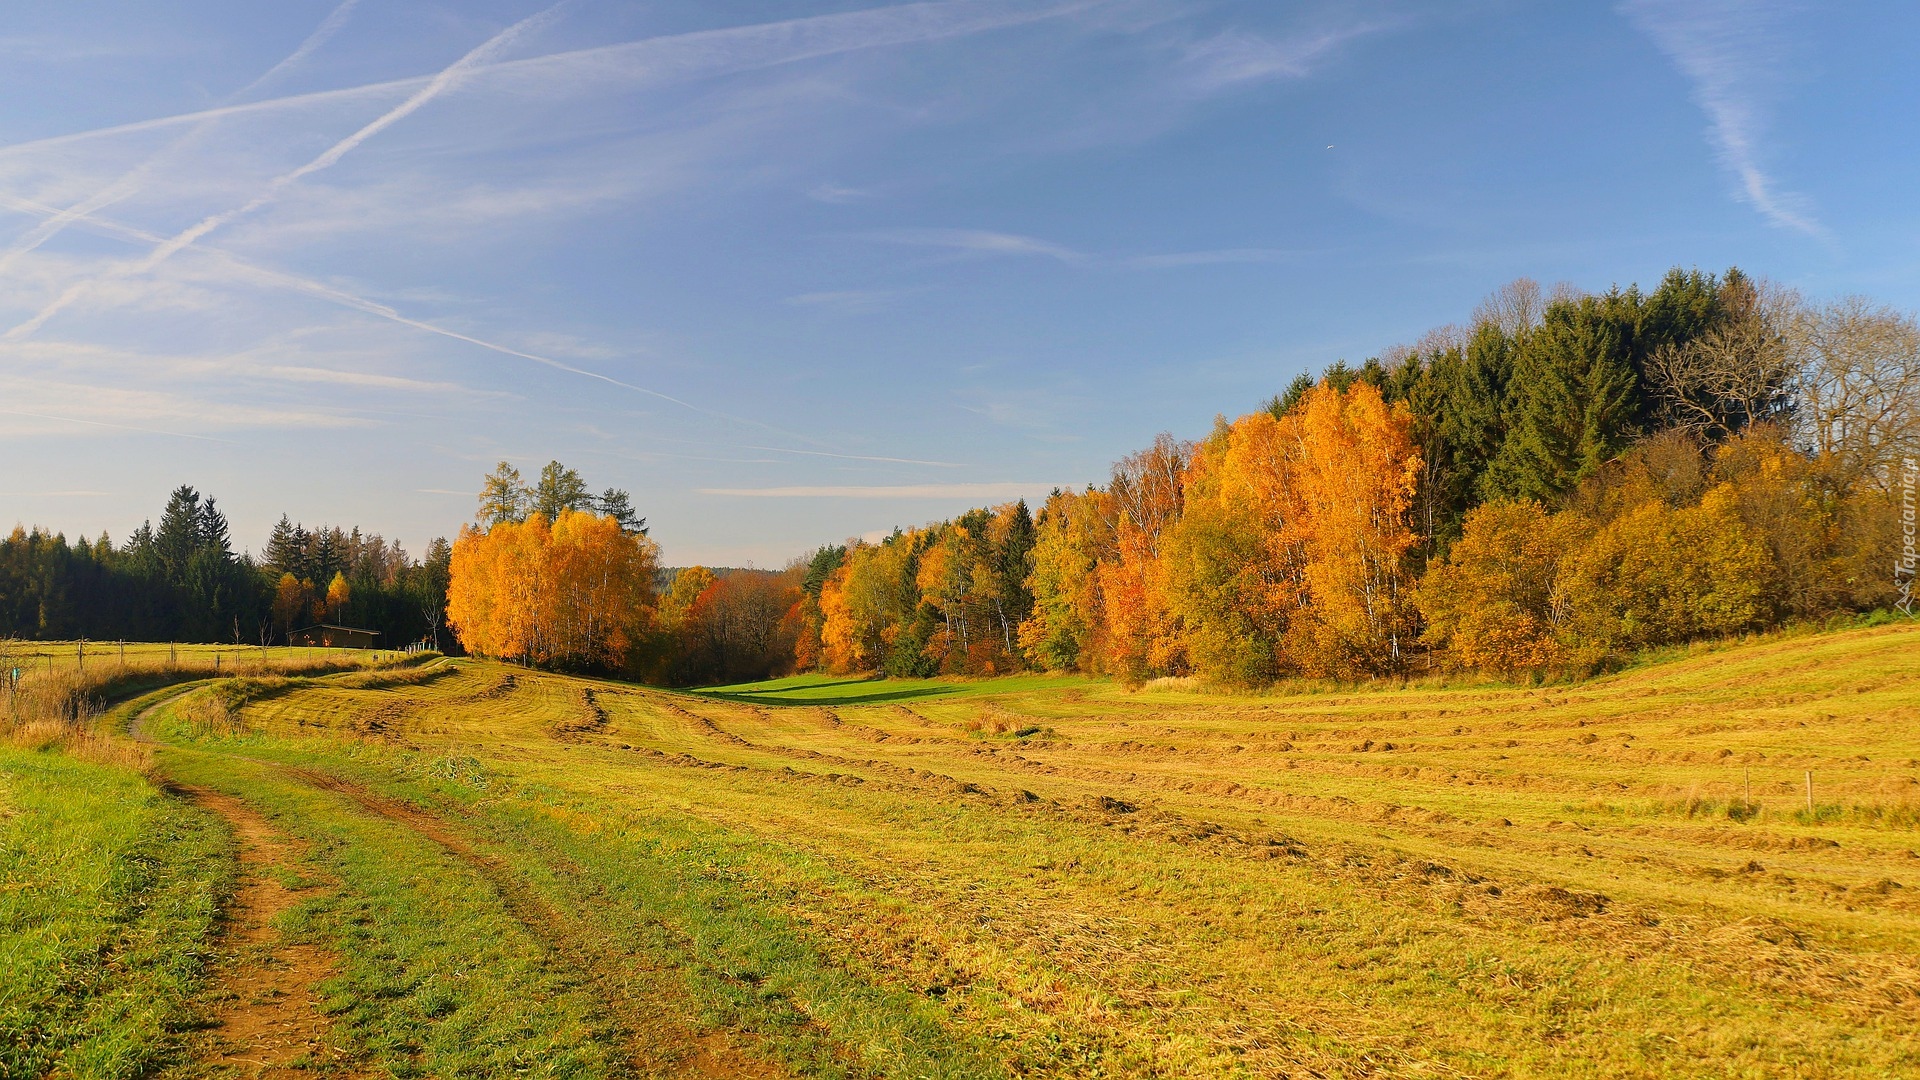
{"x":42,"y":658}
{"x":109,"y":892}
{"x":500,"y":872}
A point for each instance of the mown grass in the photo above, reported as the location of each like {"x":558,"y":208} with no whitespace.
{"x":109,"y":891}
{"x":857,"y":690}
{"x":437,"y":977}
{"x":658,"y":896}
{"x":1061,"y":877}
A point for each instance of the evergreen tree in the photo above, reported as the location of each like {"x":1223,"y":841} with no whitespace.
{"x":618,"y":505}
{"x":1576,"y":400}
{"x":214,"y":535}
{"x":503,"y":497}
{"x":821,"y":566}
{"x":286,"y":552}
{"x":559,"y":488}
{"x":179,"y":535}
{"x":326,"y":555}
{"x":1687,"y":304}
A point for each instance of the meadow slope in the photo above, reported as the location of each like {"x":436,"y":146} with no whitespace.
{"x":524,"y":873}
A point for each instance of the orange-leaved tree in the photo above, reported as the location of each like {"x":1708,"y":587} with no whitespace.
{"x":1143,"y":638}
{"x":575,"y":592}
{"x":1658,"y":575}
{"x":1355,"y":473}
{"x":864,"y":604}
{"x":1235,"y":571}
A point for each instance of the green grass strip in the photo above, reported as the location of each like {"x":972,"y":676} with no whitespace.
{"x":109,"y":892}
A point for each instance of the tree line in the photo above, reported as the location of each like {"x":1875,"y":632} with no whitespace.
{"x":1565,"y":479}
{"x":551,"y":574}
{"x":182,"y":581}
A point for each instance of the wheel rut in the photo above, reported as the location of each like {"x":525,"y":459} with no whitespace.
{"x":258,"y":1011}
{"x":264,"y":1015}
{"x":659,"y":1043}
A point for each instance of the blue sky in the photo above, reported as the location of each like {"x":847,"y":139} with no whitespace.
{"x":792,"y":272}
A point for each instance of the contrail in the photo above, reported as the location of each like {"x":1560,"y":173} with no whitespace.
{"x":665,"y":57}
{"x":132,"y":179}
{"x":321,"y":34}
{"x":375,"y":308}
{"x":105,"y":424}
{"x":861,"y":457}
{"x":186,"y":238}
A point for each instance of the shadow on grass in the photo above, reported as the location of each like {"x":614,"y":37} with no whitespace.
{"x":809,"y":694}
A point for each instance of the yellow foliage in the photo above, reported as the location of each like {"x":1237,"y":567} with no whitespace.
{"x":1658,"y":575}
{"x":1494,"y":603}
{"x":575,"y":593}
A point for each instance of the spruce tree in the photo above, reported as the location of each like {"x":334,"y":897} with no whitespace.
{"x":618,"y":505}
{"x":1575,"y":402}
{"x":286,"y":550}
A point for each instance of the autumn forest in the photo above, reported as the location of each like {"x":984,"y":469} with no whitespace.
{"x":1559,"y":481}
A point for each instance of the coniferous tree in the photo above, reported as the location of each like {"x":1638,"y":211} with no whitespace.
{"x":286,"y":548}
{"x":618,"y":505}
{"x":179,"y":535}
{"x":503,"y":497}
{"x":560,"y":488}
{"x":1576,"y":399}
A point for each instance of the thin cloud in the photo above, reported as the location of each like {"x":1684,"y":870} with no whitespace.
{"x":848,"y":300}
{"x":447,"y":77}
{"x":131,"y":181}
{"x":982,"y":242}
{"x":261,"y":274}
{"x":1728,"y":51}
{"x":1235,"y":58}
{"x":1224,"y":256}
{"x":888,"y":491}
{"x":367,"y":380}
{"x":859,"y":457}
{"x":662,"y":59}
{"x":109,"y":424}
{"x":837,"y":193}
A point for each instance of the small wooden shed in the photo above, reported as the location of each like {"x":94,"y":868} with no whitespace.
{"x":325,"y":636}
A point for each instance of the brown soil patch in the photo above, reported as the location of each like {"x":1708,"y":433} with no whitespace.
{"x":264,"y":1017}
{"x":660,"y":1042}
{"x":267,"y":1016}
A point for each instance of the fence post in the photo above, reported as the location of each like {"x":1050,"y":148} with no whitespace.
{"x":1809,"y":792}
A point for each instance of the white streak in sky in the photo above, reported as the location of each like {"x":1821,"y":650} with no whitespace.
{"x":985,"y":243}
{"x":132,"y":180}
{"x":105,"y":424}
{"x":889,"y":491}
{"x":662,"y":59}
{"x":450,"y":75}
{"x":1726,"y":48}
{"x":1237,"y":58}
{"x":860,"y":457}
{"x":264,"y":275}
{"x":321,"y":35}
{"x":981,"y":242}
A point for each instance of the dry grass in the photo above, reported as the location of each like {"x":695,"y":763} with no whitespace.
{"x":1618,"y":877}
{"x":61,"y":704}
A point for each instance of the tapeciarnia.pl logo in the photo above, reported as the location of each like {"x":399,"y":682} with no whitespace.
{"x":1904,"y":566}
